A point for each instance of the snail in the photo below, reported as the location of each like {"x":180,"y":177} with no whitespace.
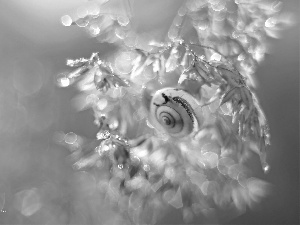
{"x":175,"y":112}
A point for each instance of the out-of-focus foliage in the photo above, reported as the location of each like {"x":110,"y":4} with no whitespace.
{"x":136,"y":165}
{"x":187,"y":145}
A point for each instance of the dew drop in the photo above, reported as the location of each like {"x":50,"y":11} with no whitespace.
{"x":70,"y":138}
{"x":146,"y":167}
{"x":123,"y":62}
{"x":130,"y":40}
{"x":241,"y":57}
{"x":123,"y":20}
{"x":28,"y":202}
{"x":82,"y":22}
{"x":105,"y":148}
{"x":102,"y":103}
{"x":219,"y":6}
{"x":224,"y":164}
{"x":242,"y":178}
{"x":103,"y":135}
{"x":120,"y":166}
{"x":63,"y":82}
{"x":202,"y":25}
{"x":114,"y":123}
{"x":271,"y":22}
{"x":182,"y":11}
{"x":94,"y":30}
{"x":266,"y":168}
{"x":211,"y":159}
{"x":215,"y":57}
{"x":93,"y":9}
{"x":82,"y":12}
{"x":234,"y":170}
{"x":66,"y":20}
{"x":91,"y":99}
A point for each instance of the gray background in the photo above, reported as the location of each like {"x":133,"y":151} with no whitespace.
{"x":33,"y":49}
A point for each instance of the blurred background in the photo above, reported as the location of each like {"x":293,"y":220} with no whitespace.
{"x":37,"y":182}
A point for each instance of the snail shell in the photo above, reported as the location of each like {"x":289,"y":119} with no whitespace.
{"x":174,"y":111}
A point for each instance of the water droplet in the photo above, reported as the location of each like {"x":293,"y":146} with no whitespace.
{"x":70,"y":138}
{"x":123,"y":20}
{"x":82,"y":22}
{"x":91,"y":99}
{"x":120,"y":166}
{"x":202,"y":25}
{"x":94,"y":30}
{"x":105,"y":148}
{"x":266,"y":167}
{"x":123,"y":62}
{"x":215,"y":57}
{"x":103,"y":135}
{"x":218,"y":6}
{"x":241,"y":57}
{"x":182,"y":11}
{"x":146,"y":167}
{"x":63,"y":82}
{"x":28,"y":201}
{"x":271,"y":22}
{"x":102,"y":103}
{"x":234,"y":170}
{"x":82,"y":12}
{"x":2,"y":202}
{"x":93,"y":9}
{"x":114,"y":123}
{"x":224,"y":164}
{"x":130,"y":40}
{"x":210,"y":159}
{"x":242,"y":179}
{"x":66,"y":20}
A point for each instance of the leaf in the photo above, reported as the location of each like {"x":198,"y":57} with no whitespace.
{"x":202,"y":73}
{"x":228,"y":95}
{"x":78,"y":72}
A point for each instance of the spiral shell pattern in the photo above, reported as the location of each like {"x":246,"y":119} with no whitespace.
{"x":173,"y":111}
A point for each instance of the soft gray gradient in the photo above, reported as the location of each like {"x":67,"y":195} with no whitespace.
{"x":33,"y":49}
